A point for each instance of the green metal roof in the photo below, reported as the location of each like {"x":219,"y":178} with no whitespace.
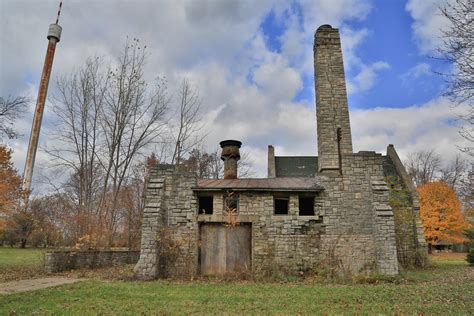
{"x":296,"y":166}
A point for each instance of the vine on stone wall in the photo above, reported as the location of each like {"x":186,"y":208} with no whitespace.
{"x":400,"y":200}
{"x":230,"y":209}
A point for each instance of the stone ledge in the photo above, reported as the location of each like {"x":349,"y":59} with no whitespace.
{"x":62,"y":260}
{"x":383,"y":210}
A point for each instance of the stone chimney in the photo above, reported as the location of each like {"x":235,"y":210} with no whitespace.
{"x":271,"y":162}
{"x":230,"y":155}
{"x":332,"y":112}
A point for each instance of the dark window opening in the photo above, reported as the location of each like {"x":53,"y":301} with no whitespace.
{"x":306,"y":206}
{"x":205,"y":205}
{"x":281,"y":206}
{"x":231,"y":203}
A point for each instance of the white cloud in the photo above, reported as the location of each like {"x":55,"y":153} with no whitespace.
{"x":366,"y":73}
{"x":350,"y":40}
{"x":217,"y":46}
{"x":417,"y":71}
{"x":419,"y":127}
{"x":367,"y":77}
{"x":278,"y":80}
{"x":427,"y":23}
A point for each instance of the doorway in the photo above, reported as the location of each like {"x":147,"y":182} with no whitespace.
{"x":225,"y":249}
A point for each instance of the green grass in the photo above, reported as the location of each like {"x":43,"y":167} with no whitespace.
{"x":16,"y":257}
{"x":445,"y":288}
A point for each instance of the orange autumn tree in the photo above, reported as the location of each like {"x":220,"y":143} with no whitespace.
{"x":440,"y":212}
{"x":10,"y":182}
{"x":10,"y":187}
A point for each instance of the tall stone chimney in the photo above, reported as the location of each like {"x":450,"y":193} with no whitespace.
{"x":271,"y":162}
{"x":332,"y":112}
{"x":230,"y":155}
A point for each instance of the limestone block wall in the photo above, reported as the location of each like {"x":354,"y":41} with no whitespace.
{"x":331,"y":98}
{"x":169,"y":229}
{"x":180,"y":219}
{"x":352,"y":221}
{"x":402,"y":173}
{"x":289,"y":243}
{"x":153,"y":219}
{"x":358,"y":219}
{"x":57,"y":261}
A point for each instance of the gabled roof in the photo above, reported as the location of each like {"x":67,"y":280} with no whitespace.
{"x":296,"y":166}
{"x":267,"y":184}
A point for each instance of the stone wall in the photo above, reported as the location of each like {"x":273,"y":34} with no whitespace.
{"x":57,"y":261}
{"x":402,"y":173}
{"x":331,"y":98}
{"x":352,"y":222}
{"x":170,"y":212}
{"x":357,"y":215}
{"x":411,"y":242}
{"x":279,"y":242}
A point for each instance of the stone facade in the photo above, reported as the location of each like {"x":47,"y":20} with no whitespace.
{"x":332,"y":112}
{"x":309,"y":209}
{"x":351,"y":218}
{"x":57,"y":261}
{"x":170,"y":203}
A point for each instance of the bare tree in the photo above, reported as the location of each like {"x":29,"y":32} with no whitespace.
{"x":210,"y":165}
{"x":427,"y":166}
{"x":187,"y":132}
{"x":77,"y":104}
{"x":458,"y":50}
{"x":10,"y":110}
{"x":455,"y":172}
{"x":199,"y":162}
{"x":423,"y":166}
{"x":244,"y":165}
{"x":132,"y":118}
{"x":217,"y":165}
{"x":108,"y":116}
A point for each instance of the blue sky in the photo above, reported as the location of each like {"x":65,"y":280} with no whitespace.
{"x":389,"y":39}
{"x":252,"y":62}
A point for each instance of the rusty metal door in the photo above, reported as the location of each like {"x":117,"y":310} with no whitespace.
{"x":225,"y":249}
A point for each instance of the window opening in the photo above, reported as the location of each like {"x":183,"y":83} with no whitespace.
{"x":281,"y":205}
{"x":205,"y":205}
{"x":306,"y":205}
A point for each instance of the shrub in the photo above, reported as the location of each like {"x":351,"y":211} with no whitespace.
{"x":469,"y":233}
{"x":470,"y":257}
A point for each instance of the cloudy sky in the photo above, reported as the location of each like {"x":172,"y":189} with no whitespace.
{"x":253,"y":65}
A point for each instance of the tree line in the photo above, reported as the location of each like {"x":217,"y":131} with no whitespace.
{"x":109,"y":118}
{"x":446,"y":191}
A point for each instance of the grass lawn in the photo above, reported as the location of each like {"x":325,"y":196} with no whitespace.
{"x":16,"y":257}
{"x":16,"y":263}
{"x":446,"y":288}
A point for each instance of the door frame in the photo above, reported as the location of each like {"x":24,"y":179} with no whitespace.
{"x":223,"y":224}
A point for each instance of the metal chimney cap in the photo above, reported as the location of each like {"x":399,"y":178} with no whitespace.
{"x":230,"y":142}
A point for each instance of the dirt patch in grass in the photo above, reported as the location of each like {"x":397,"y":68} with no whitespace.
{"x":34,"y":284}
{"x":21,"y":273}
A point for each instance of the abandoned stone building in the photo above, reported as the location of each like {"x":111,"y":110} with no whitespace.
{"x":333,"y":207}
